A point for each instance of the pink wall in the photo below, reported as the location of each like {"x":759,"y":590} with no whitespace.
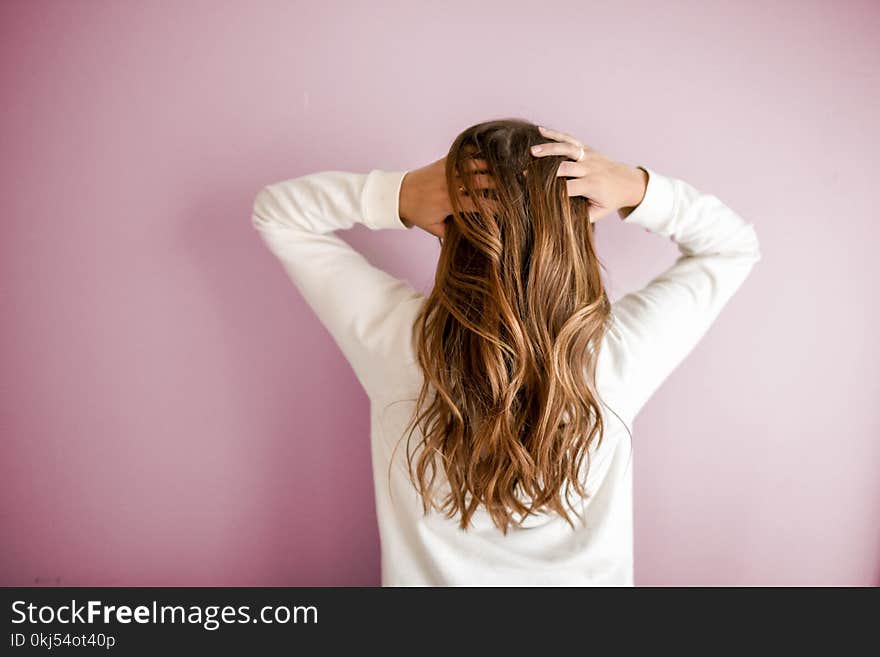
{"x":171,"y":411}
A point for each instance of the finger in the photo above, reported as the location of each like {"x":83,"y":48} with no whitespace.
{"x":558,"y":148}
{"x":475,"y":164}
{"x":480,"y":203}
{"x":571,"y":169}
{"x":559,"y":136}
{"x":594,"y":211}
{"x":481,"y":181}
{"x":576,"y":187}
{"x":466,"y":202}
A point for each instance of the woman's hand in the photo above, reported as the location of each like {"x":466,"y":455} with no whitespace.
{"x":424,"y":198}
{"x":608,"y":185}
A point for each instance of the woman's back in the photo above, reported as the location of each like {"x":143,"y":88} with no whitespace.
{"x":420,"y":549}
{"x":371,"y":315}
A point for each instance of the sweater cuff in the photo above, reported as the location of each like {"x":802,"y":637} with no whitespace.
{"x":658,"y":205}
{"x":380,"y":200}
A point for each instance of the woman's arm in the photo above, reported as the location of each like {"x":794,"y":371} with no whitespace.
{"x":655,"y":327}
{"x":363,"y":307}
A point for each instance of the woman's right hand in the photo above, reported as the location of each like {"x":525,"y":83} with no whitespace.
{"x":608,"y":185}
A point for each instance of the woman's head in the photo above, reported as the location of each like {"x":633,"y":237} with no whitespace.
{"x":508,"y":337}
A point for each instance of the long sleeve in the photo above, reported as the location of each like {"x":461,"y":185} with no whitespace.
{"x":654,"y":328}
{"x":366,"y":310}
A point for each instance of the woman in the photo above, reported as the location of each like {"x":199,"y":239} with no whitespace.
{"x":512,"y":387}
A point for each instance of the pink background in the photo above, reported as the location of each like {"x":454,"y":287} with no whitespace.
{"x":173,"y":414}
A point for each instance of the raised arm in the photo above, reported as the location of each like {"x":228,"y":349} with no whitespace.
{"x":655,"y":327}
{"x":361,"y":305}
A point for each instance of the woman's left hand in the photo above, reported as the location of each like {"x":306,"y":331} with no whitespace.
{"x":424,"y":197}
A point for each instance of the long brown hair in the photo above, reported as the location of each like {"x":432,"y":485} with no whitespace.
{"x":509,"y":336}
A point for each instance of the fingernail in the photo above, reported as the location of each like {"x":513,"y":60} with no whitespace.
{"x":536,"y":149}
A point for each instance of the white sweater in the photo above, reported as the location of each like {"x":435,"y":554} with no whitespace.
{"x":370,"y":315}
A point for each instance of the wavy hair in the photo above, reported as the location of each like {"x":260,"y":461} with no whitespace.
{"x":508,"y":337}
